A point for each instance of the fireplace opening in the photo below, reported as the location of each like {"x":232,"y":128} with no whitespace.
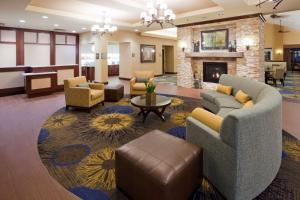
{"x":212,"y":71}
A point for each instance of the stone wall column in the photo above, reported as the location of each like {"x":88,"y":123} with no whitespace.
{"x":184,"y":65}
{"x":252,"y":64}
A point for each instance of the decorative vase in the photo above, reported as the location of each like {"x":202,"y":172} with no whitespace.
{"x":150,"y":98}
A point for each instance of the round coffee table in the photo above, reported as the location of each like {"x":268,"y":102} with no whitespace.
{"x":158,"y":107}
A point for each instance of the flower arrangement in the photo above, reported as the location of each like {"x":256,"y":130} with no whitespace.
{"x":150,"y":87}
{"x":150,"y":92}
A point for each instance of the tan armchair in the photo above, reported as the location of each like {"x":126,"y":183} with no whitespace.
{"x":278,"y":74}
{"x":137,"y":83}
{"x":83,"y":97}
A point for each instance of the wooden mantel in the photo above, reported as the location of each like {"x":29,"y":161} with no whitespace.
{"x":215,"y":55}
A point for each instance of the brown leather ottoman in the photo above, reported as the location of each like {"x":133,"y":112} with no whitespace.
{"x":158,"y":166}
{"x":114,"y":93}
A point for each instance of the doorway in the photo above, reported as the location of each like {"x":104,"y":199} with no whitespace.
{"x":113,"y":58}
{"x":292,"y":57}
{"x":168,"y":64}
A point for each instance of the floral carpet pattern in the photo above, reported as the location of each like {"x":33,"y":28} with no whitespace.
{"x":78,"y":149}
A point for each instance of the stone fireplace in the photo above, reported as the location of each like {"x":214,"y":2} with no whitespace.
{"x":213,"y":70}
{"x":243,"y":62}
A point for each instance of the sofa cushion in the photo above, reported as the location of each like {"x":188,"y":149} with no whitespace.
{"x":242,"y":97}
{"x":209,"y":119}
{"x":225,"y":111}
{"x":95,"y":94}
{"x":228,"y":102}
{"x":224,"y":89}
{"x":139,"y":86}
{"x":248,"y":104}
{"x":210,"y":95}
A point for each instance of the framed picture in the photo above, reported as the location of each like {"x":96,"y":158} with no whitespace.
{"x":148,"y":53}
{"x":214,"y":40}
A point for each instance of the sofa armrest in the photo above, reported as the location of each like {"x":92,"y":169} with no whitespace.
{"x":132,"y":81}
{"x":96,"y":86}
{"x":199,"y":134}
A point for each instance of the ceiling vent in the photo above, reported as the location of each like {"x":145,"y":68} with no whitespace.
{"x":59,"y":29}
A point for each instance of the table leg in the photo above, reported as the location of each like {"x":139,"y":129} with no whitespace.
{"x":160,"y":113}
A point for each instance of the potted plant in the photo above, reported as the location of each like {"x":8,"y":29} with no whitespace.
{"x":150,"y":92}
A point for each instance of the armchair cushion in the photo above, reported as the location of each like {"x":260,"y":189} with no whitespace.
{"x":209,"y":119}
{"x":139,"y":86}
{"x":83,"y":85}
{"x":141,"y":80}
{"x":95,"y":94}
{"x":96,"y":86}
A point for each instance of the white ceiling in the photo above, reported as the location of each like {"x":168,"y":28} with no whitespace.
{"x":77,"y":14}
{"x":288,"y":19}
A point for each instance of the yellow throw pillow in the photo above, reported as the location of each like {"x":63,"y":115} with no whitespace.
{"x":224,"y":89}
{"x":209,"y":119}
{"x":248,"y":104}
{"x":242,"y":97}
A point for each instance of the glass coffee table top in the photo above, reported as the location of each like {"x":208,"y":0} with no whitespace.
{"x":161,"y":101}
{"x":158,"y":107}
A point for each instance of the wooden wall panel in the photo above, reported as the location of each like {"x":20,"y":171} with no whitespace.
{"x":20,"y":47}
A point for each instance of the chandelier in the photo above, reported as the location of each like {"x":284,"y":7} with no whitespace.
{"x":158,"y":12}
{"x":105,"y":28}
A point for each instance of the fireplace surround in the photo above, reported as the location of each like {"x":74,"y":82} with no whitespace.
{"x":213,"y":70}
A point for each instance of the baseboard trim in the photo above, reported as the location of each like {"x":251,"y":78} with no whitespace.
{"x":105,"y":83}
{"x":11,"y":91}
{"x":126,"y":79}
{"x":170,"y":72}
{"x":158,"y":75}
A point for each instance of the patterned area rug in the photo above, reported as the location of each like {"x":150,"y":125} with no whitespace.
{"x":291,"y":90}
{"x":78,"y":149}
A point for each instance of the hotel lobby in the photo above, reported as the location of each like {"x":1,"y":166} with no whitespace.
{"x":149,"y":99}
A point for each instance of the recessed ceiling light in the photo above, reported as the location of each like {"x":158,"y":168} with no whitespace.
{"x":73,"y":31}
{"x":22,"y":21}
{"x":56,"y":25}
{"x":136,"y":30}
{"x":83,"y":28}
{"x":45,"y":17}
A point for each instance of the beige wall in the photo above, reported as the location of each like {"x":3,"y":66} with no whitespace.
{"x":292,"y":37}
{"x":135,"y":41}
{"x":274,"y":40}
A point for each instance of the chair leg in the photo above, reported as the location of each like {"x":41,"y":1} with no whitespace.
{"x":67,"y":107}
{"x":282,"y":82}
{"x":275,"y":82}
{"x":102,"y":103}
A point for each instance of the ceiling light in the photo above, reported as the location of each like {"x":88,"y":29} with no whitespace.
{"x":83,"y":28}
{"x":45,"y":17}
{"x":74,"y":31}
{"x":56,"y":25}
{"x":136,"y":30}
{"x":157,"y":13}
{"x":107,"y":27}
{"x":22,"y":21}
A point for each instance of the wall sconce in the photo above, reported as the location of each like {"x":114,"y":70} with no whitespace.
{"x":279,"y":51}
{"x":183,"y":46}
{"x":248,"y":42}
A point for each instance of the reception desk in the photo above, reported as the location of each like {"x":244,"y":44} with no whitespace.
{"x":12,"y":78}
{"x":37,"y":84}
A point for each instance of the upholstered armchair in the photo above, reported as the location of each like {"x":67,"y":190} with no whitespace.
{"x":137,"y":83}
{"x":278,"y":74}
{"x":79,"y":93}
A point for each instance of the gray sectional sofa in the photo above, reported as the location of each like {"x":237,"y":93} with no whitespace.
{"x":243,"y":159}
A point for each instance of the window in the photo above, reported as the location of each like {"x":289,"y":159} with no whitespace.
{"x":113,"y":55}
